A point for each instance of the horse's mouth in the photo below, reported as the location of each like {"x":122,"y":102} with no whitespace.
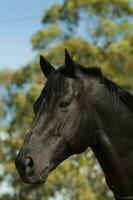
{"x":36,"y":178}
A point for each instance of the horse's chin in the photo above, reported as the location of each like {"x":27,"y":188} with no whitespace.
{"x":34,"y":181}
{"x":40,"y":178}
{"x":37,"y":178}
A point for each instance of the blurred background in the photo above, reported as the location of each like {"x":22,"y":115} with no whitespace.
{"x":96,"y":33}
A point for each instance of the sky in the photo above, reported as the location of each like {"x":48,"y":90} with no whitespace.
{"x":15,"y":47}
{"x":15,"y":34}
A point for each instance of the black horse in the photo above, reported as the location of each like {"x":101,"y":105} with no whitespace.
{"x":80,"y":108}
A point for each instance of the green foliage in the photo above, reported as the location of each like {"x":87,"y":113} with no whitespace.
{"x":52,"y":14}
{"x":87,"y":53}
{"x":96,"y":33}
{"x":44,"y":37}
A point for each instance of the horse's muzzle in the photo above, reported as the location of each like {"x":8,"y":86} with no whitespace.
{"x":26,"y":166}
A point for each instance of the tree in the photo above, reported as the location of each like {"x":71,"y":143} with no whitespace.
{"x":96,"y":33}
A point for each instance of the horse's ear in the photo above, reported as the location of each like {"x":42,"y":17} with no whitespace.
{"x":70,"y":65}
{"x":46,"y":67}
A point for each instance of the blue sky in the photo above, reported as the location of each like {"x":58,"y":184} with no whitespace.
{"x":15,"y":47}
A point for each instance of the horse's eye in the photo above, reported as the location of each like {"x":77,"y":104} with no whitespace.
{"x":64,"y":104}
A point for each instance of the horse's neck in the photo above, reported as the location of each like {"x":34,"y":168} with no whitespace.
{"x":115,"y":174}
{"x":114,"y":150}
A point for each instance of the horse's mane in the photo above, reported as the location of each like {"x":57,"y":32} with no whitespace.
{"x":116,"y":91}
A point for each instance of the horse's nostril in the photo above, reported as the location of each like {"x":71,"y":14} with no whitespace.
{"x":29,"y":162}
{"x":29,"y":166}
